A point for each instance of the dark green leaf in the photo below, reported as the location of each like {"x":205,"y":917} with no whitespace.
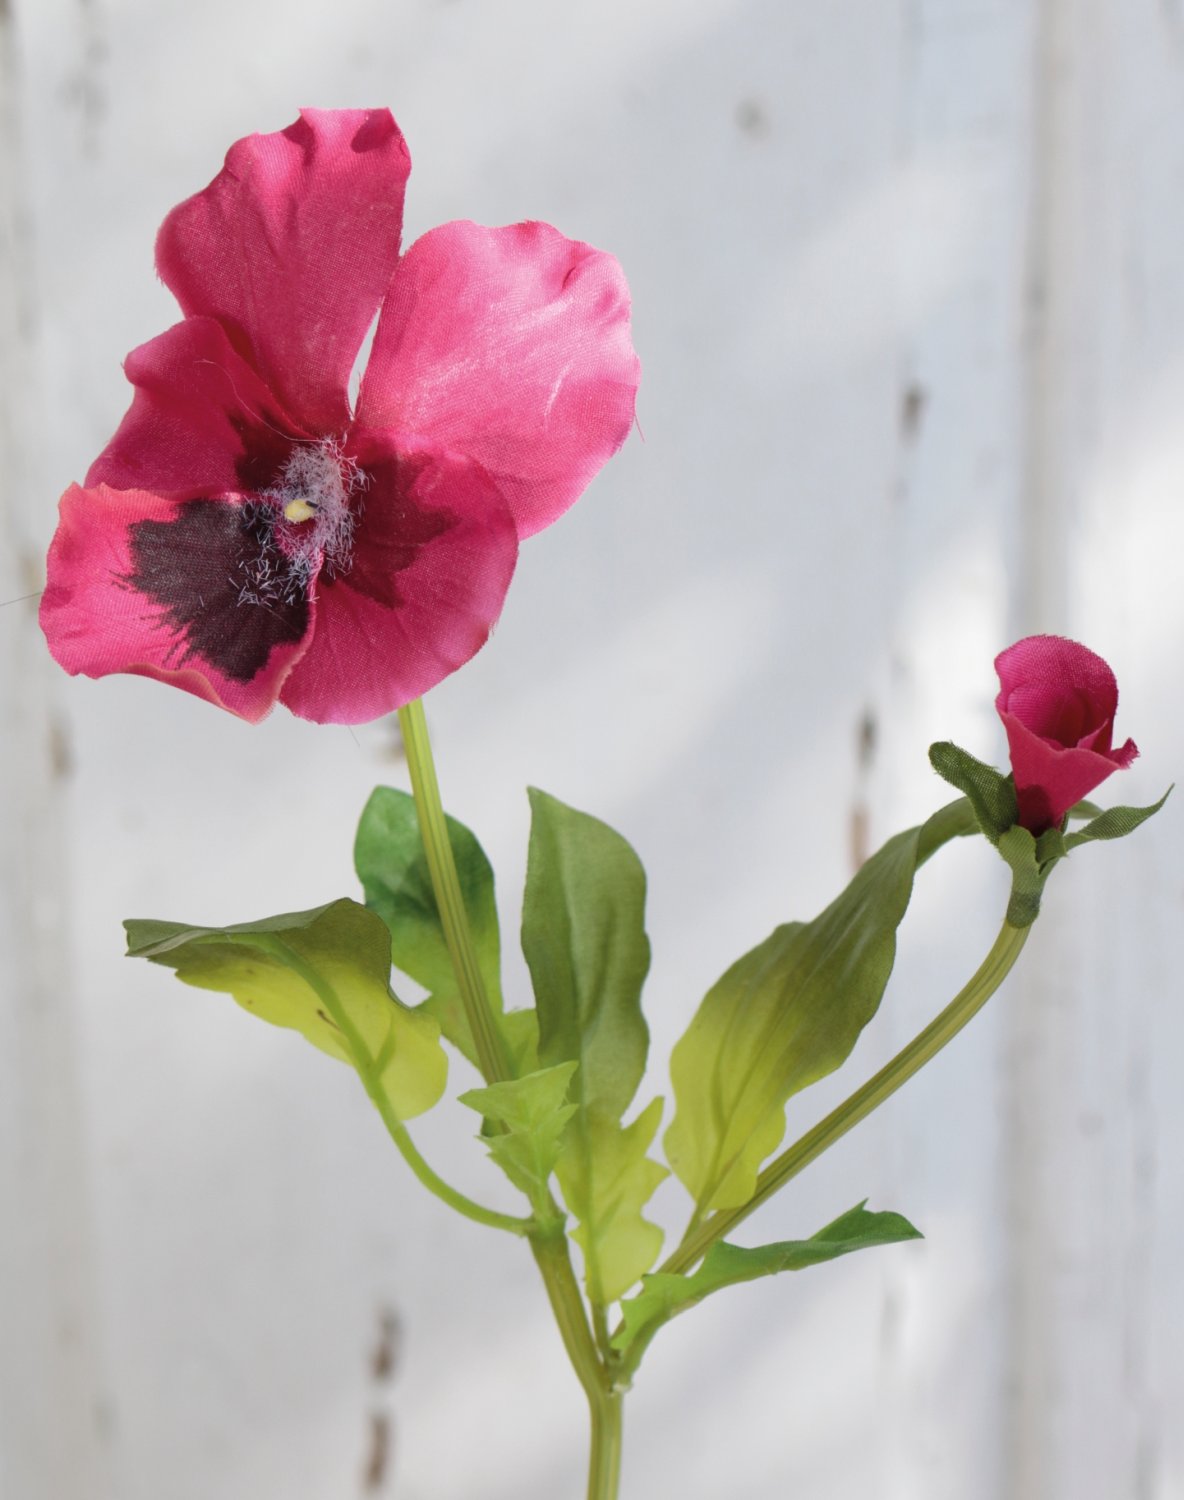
{"x":324,"y":973}
{"x":583,"y":935}
{"x":785,"y":1015}
{"x":393,"y":868}
{"x":663,"y":1295}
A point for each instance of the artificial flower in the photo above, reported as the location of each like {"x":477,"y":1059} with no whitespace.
{"x":250,"y":536}
{"x":1057,"y":701}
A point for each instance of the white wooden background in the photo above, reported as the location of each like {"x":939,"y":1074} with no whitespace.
{"x":909,"y":290}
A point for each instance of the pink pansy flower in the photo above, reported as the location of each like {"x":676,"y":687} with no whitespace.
{"x":248,"y":536}
{"x":1057,"y":702}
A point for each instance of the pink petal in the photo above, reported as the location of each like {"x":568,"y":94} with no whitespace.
{"x":291,"y":247}
{"x":201,"y":421}
{"x":1057,"y":700}
{"x":1057,"y":687}
{"x":434,"y":552}
{"x":141,"y":583}
{"x":1049,"y":780}
{"x":512,"y":347}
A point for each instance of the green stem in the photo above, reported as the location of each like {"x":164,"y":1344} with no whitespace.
{"x":965,"y":1005}
{"x":554,"y":1262}
{"x":487,"y":1040}
{"x":600,"y":1330}
{"x":433,"y":1182}
{"x":604,"y":1470}
{"x":370,"y":1073}
{"x":604,"y":1402}
{"x":548,"y":1239}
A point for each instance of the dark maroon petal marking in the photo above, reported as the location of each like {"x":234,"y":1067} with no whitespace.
{"x":392,"y":531}
{"x":265,"y":451}
{"x":193,"y":568}
{"x":433,"y":555}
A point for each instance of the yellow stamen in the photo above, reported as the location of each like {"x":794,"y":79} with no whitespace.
{"x":299,"y":510}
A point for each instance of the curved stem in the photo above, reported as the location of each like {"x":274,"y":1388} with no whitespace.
{"x":435,"y":1183}
{"x":965,"y":1005}
{"x":371,"y":1075}
{"x":491,"y":1054}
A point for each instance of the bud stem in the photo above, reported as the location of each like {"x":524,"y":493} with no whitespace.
{"x":925,"y":1046}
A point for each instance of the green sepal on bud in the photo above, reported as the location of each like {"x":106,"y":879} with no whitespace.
{"x":1114,"y":823}
{"x":1030,"y":857}
{"x":1033,"y":859}
{"x":990,"y":793}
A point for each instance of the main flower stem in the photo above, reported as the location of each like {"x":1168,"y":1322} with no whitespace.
{"x":964,"y":1006}
{"x":604,"y":1471}
{"x":548,"y":1240}
{"x":491,"y":1053}
{"x":604,"y":1402}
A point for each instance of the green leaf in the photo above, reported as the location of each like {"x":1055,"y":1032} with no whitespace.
{"x":991,"y":793}
{"x":664,"y":1295}
{"x":533,"y":1113}
{"x":1115,"y":823}
{"x":785,"y":1015}
{"x":392,"y":866}
{"x":324,"y":973}
{"x":607,"y":1179}
{"x":583,"y":934}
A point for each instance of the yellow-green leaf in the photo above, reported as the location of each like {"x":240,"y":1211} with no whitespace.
{"x":324,"y":973}
{"x":785,"y":1015}
{"x":607,"y":1179}
{"x":663,"y":1295}
{"x":533,"y":1113}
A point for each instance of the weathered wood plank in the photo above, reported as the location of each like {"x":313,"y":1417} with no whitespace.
{"x":1093,"y":1101}
{"x":907,"y":289}
{"x":53,"y":1436}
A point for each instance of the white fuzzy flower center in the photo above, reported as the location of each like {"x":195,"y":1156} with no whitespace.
{"x":304,"y":524}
